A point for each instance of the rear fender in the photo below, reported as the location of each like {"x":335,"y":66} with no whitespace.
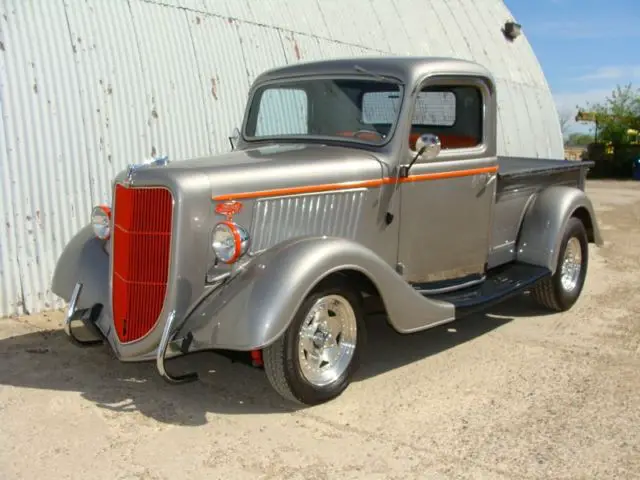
{"x":545,"y":221}
{"x":257,"y":305}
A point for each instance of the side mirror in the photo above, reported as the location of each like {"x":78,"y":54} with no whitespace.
{"x":428,"y":146}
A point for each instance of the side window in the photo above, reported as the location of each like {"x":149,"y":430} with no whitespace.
{"x":380,"y":108}
{"x":436,"y":109}
{"x":283,"y":111}
{"x":452,"y":113}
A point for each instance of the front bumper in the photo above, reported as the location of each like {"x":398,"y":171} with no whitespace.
{"x":167,"y":348}
{"x":86,"y":316}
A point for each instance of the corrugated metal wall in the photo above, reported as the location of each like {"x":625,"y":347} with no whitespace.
{"x":87,"y":86}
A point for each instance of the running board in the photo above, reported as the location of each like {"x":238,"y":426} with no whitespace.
{"x":446,"y":286}
{"x":501,"y":283}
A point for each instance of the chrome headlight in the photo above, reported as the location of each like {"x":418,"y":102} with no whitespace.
{"x":230,"y":241}
{"x":101,"y":221}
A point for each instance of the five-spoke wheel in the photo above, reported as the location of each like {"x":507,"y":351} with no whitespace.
{"x":327,"y":340}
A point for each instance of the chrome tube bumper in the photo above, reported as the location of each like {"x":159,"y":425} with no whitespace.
{"x":89,"y":316}
{"x":88,"y":322}
{"x":167,"y":335}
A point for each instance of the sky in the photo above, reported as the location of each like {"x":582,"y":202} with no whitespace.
{"x":585,"y":47}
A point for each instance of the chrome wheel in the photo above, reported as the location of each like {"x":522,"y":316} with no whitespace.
{"x":327,"y":340}
{"x":571,"y":265}
{"x":560,"y":291}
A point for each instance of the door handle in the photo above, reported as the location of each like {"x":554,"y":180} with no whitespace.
{"x":490,"y":179}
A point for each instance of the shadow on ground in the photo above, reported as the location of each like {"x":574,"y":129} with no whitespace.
{"x":46,"y":360}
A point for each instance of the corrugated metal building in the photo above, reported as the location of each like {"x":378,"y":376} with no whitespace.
{"x":88,"y":86}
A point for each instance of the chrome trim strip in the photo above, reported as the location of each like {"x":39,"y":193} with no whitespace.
{"x":452,"y":288}
{"x":217,"y":279}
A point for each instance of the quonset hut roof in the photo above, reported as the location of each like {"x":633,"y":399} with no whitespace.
{"x":88,"y":86}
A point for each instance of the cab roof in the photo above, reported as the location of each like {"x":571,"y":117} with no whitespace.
{"x":406,"y":69}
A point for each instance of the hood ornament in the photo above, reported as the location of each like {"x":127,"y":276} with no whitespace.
{"x":149,"y":162}
{"x":130,"y":170}
{"x":229,"y":209}
{"x":159,"y":161}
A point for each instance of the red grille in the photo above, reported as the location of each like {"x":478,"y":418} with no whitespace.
{"x":141,"y":250}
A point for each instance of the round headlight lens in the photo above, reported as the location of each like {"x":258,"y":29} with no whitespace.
{"x":230,"y":241}
{"x":101,"y":221}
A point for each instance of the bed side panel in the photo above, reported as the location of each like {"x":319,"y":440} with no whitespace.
{"x":520,"y":180}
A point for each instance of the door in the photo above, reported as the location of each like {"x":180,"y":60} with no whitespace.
{"x":447,"y":202}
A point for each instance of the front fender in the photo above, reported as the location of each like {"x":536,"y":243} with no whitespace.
{"x":545,"y":221}
{"x":254,"y":308}
{"x":83,"y":260}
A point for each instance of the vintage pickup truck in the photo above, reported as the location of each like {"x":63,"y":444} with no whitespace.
{"x":349,"y":178}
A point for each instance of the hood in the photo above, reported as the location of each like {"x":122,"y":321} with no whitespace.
{"x":263,"y":168}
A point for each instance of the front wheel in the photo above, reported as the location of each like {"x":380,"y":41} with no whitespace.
{"x":314,"y":360}
{"x":561,"y":291}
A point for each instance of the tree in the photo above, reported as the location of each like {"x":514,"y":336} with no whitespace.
{"x":614,"y":117}
{"x":565,"y":117}
{"x":579,"y":140}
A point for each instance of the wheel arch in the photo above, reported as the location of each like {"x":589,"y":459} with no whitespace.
{"x":256,"y":307}
{"x":545,"y":221}
{"x":288,"y":371}
{"x":370,"y":294}
{"x":582,"y":214}
{"x":552,"y":292}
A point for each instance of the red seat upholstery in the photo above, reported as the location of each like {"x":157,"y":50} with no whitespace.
{"x":447,"y":141}
{"x":363,"y":135}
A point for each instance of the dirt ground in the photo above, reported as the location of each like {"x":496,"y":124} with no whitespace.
{"x":515,"y":393}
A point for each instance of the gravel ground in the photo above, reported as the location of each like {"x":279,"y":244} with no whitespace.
{"x":515,"y":393}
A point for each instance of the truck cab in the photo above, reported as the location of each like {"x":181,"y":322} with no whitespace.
{"x":349,"y":179}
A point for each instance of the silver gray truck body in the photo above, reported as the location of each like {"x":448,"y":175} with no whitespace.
{"x":433,"y":234}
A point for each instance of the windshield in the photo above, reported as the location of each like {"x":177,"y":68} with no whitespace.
{"x":357,"y":110}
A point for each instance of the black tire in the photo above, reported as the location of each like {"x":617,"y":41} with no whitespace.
{"x":281,"y":362}
{"x":550,"y":292}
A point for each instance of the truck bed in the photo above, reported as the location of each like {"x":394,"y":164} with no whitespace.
{"x":514,"y":167}
{"x":520,"y":179}
{"x":518,"y":173}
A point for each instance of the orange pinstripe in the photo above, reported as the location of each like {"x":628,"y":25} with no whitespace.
{"x":328,"y":187}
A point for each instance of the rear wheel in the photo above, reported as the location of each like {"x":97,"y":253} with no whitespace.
{"x":315,"y":359}
{"x":561,"y":291}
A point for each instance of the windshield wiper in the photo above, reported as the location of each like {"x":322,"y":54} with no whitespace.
{"x":376,"y":75}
